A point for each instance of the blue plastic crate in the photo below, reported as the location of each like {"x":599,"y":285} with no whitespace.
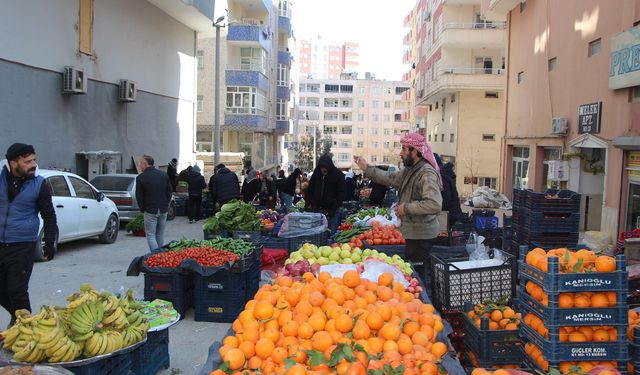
{"x":176,"y":288}
{"x":554,"y":281}
{"x":554,"y":316}
{"x":221,"y":282}
{"x":530,"y":363}
{"x":218,"y":307}
{"x":152,"y":355}
{"x":567,"y":201}
{"x":544,"y":221}
{"x":116,"y":365}
{"x":486,"y":223}
{"x":546,"y":238}
{"x":181,"y":301}
{"x":496,"y":347}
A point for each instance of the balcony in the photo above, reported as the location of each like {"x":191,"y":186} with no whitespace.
{"x":282,"y":126}
{"x":262,"y":7}
{"x":473,"y":35}
{"x":408,"y":20}
{"x":284,"y":58}
{"x":195,"y":14}
{"x":406,"y":57}
{"x":461,"y":2}
{"x":235,"y":76}
{"x":452,"y":79}
{"x":284,"y":25}
{"x":502,"y":7}
{"x":245,"y":122}
{"x":283,"y":92}
{"x":249,"y":34}
{"x":406,"y":40}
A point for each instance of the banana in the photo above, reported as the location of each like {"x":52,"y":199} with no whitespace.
{"x":25,"y":330}
{"x":50,"y":341}
{"x":77,"y":301}
{"x":24,"y":353}
{"x":48,"y":322}
{"x":57,"y":345}
{"x":59,"y":354}
{"x":134,"y":316}
{"x":10,"y":335}
{"x":113,"y":317}
{"x":36,"y":355}
{"x":70,"y":355}
{"x":92,"y":345}
{"x":80,"y":338}
{"x":105,"y":342}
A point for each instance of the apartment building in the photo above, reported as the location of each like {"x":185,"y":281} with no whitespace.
{"x":255,"y":65}
{"x":573,"y":114}
{"x":89,"y":96}
{"x":320,"y":59}
{"x":459,"y":85}
{"x":364,"y":117}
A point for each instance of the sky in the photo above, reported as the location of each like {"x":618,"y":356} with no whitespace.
{"x":375,"y":24}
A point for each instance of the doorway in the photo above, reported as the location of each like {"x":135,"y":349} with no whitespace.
{"x":632,"y":221}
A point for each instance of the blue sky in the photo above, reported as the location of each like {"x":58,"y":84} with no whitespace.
{"x":375,"y":24}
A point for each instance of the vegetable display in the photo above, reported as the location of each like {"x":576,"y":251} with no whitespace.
{"x":268,"y":218}
{"x":371,"y":212}
{"x":234,"y":215}
{"x":235,"y":246}
{"x":346,"y":235}
{"x":136,"y":224}
{"x":204,"y":256}
{"x":382,"y":235}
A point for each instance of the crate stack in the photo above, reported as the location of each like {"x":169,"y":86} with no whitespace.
{"x":176,"y":288}
{"x":558,"y":347}
{"x":548,"y":219}
{"x":153,"y":355}
{"x":634,"y":352}
{"x":490,"y":348}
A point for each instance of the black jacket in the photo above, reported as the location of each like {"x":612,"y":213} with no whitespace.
{"x":153,"y":191}
{"x":378,"y":192}
{"x":172,"y":172}
{"x":224,"y":186}
{"x":325,"y":193}
{"x":196,"y":183}
{"x":350,"y":186}
{"x":250,"y":190}
{"x":450,"y":198}
{"x":289,"y":186}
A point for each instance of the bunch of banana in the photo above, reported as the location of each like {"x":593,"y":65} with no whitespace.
{"x":110,"y":302}
{"x":65,"y":350}
{"x":135,"y":333}
{"x":86,"y":318}
{"x":129,"y":303}
{"x":103,"y":342}
{"x":117,"y":319}
{"x":87,"y":293}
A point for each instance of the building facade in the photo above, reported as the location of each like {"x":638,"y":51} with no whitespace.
{"x":255,"y":94}
{"x":323,"y":60}
{"x":90,"y":130}
{"x":573,"y":116}
{"x":458,"y":86}
{"x":363,"y":117}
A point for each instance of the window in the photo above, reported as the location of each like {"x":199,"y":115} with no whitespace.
{"x":331,"y":102}
{"x":385,"y":159}
{"x":360,"y":116}
{"x":396,"y":131}
{"x":360,"y":103}
{"x":344,"y":143}
{"x":491,"y":94}
{"x":281,"y":110}
{"x":489,"y":182}
{"x":58,"y":186}
{"x":452,"y":138}
{"x":429,"y":137}
{"x":374,"y":144}
{"x":331,"y":88}
{"x":360,"y":131}
{"x":361,"y":90}
{"x":385,"y":145}
{"x":442,"y":137}
{"x":520,"y":78}
{"x":470,"y":180}
{"x":345,"y":130}
{"x":347,"y":103}
{"x":374,"y":158}
{"x":283,"y":8}
{"x":488,"y":137}
{"x":523,"y":6}
{"x":253,"y":59}
{"x":200,"y":58}
{"x":85,"y":27}
{"x":313,"y":87}
{"x":397,"y":117}
{"x":331,"y":116}
{"x":345,"y":116}
{"x":387,"y":118}
{"x":374,"y":118}
{"x":453,"y":98}
{"x":374,"y":131}
{"x":387,"y":104}
{"x":82,"y":189}
{"x":401,"y":90}
{"x":344,"y":157}
{"x":635,"y":93}
{"x":375,"y":104}
{"x":200,"y":103}
{"x":375,"y":90}
{"x":396,"y":144}
{"x":360,"y":144}
{"x":387,"y":131}
{"x":553,"y":62}
{"x":520,"y":165}
{"x":595,"y":47}
{"x":330,"y":130}
{"x":245,"y":101}
{"x":283,"y":75}
{"x":346,"y":88}
{"x":435,"y":138}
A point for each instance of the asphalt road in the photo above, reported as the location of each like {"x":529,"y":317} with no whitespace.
{"x":106,"y":266}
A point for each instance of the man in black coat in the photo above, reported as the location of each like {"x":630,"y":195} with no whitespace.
{"x":196,"y":184}
{"x":153,"y":193}
{"x":326,"y":191}
{"x":223,"y":185}
{"x":172,"y":172}
{"x":450,"y":198}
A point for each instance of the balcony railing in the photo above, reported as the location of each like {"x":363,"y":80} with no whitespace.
{"x":248,"y":67}
{"x":453,"y":33}
{"x":467,"y":70}
{"x":474,"y":25}
{"x":245,"y":111}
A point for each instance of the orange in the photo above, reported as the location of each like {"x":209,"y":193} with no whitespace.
{"x":565,"y":300}
{"x":254,"y":363}
{"x":605,"y":263}
{"x":385,"y":279}
{"x":599,"y":300}
{"x":290,"y":328}
{"x":316,"y":298}
{"x":305,"y":331}
{"x":361,"y":330}
{"x":249,"y":349}
{"x":279,"y":354}
{"x":351,"y":278}
{"x":231,"y":341}
{"x":496,"y":315}
{"x":581,"y":300}
{"x":577,"y":336}
{"x":344,"y":323}
{"x":264,"y":348}
{"x":317,"y":321}
{"x":600,"y":335}
{"x":321,"y":340}
{"x":374,"y":320}
{"x":296,"y":369}
{"x":235,"y":357}
{"x":263,"y":310}
{"x":384,"y":293}
{"x":389,"y":331}
{"x":438,"y":349}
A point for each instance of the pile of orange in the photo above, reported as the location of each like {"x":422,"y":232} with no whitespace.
{"x":573,"y":300}
{"x":500,"y":316}
{"x":328,"y":325}
{"x":634,"y":321}
{"x":573,"y":334}
{"x":569,"y":368}
{"x":474,"y":362}
{"x":571,"y":261}
{"x":481,"y":371}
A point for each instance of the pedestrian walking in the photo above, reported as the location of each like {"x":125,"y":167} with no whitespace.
{"x":223,"y":185}
{"x":280,"y":185}
{"x":326,"y":190}
{"x":250,"y":186}
{"x":182,"y":184}
{"x":420,"y":201}
{"x":172,"y":172}
{"x":292,"y":187}
{"x":196,"y":184}
{"x":23,"y":195}
{"x":450,"y":197}
{"x":153,"y":193}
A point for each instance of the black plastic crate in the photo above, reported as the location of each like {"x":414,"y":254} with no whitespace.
{"x":116,"y":365}
{"x":497,"y":347}
{"x":547,"y":238}
{"x":211,"y":235}
{"x":545,"y":221}
{"x":531,"y":364}
{"x":152,"y":355}
{"x":387,"y":249}
{"x":243,"y":264}
{"x":255,"y":237}
{"x":218,"y":307}
{"x":168,"y":282}
{"x":320,"y":239}
{"x":454,"y":285}
{"x":221,"y":282}
{"x":275,"y":242}
{"x":567,"y":201}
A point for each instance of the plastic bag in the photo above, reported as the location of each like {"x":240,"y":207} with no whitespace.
{"x":479,"y":251}
{"x":394,"y":218}
{"x":373,"y":268}
{"x":337,"y":270}
{"x":382,"y":220}
{"x":298,"y":224}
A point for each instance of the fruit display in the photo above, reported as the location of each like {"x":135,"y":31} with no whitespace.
{"x":634,"y":321}
{"x":345,"y":226}
{"x":93,"y":323}
{"x":324,"y":325}
{"x":570,"y":367}
{"x":368,"y":212}
{"x":573,"y":334}
{"x":344,"y":254}
{"x":501,"y":316}
{"x":573,"y":300}
{"x":236,"y":246}
{"x":500,"y":371}
{"x":268,"y":218}
{"x":233,"y":215}
{"x":204,"y":256}
{"x":571,"y":261}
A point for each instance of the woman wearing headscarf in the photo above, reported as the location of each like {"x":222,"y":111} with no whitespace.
{"x":350,"y":185}
{"x":250,"y":186}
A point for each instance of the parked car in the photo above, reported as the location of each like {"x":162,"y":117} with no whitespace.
{"x":81,"y":211}
{"x":121,"y":189}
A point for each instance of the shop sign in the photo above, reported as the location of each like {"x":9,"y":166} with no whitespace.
{"x":633,"y":163}
{"x":589,"y":118}
{"x":624,"y":60}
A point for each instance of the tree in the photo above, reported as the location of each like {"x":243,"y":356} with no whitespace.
{"x":304,"y":150}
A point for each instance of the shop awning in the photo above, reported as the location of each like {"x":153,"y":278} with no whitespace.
{"x":627,"y":143}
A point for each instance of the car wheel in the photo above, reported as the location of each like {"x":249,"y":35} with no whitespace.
{"x":110,"y":233}
{"x":171,"y":211}
{"x":39,"y":249}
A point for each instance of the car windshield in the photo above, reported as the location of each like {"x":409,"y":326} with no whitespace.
{"x":112,"y":183}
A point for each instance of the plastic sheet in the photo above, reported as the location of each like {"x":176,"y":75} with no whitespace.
{"x":298,"y":224}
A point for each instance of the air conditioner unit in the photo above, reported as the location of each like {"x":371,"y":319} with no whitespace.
{"x":127,"y":91}
{"x":74,"y":81}
{"x":559,"y":125}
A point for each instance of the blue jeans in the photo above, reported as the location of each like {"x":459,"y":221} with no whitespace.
{"x":154,"y":225}
{"x":287,"y":200}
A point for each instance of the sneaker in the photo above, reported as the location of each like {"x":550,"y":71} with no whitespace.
{"x":190,"y":221}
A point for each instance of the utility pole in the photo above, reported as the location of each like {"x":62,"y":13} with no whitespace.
{"x":216,"y":121}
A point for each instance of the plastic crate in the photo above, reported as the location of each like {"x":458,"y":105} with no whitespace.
{"x":568,"y":201}
{"x":181,"y":301}
{"x":175,"y":288}
{"x":211,"y":235}
{"x":546,"y":238}
{"x":554,"y":316}
{"x":545,"y":221}
{"x":255,"y":237}
{"x":275,"y":242}
{"x":243,"y":264}
{"x":484,"y":223}
{"x":116,"y":365}
{"x":454,"y":285}
{"x":221,"y":307}
{"x":554,"y":281}
{"x":152,"y":355}
{"x":294,"y":243}
{"x":221,"y":282}
{"x":387,"y":249}
{"x":531,"y":364}
{"x":497,"y":347}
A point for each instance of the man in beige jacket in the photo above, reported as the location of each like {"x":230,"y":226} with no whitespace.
{"x":419,"y":199}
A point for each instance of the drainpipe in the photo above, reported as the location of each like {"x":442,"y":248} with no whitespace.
{"x":503,"y":159}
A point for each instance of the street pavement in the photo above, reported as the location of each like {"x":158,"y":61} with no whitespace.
{"x":106,"y":267}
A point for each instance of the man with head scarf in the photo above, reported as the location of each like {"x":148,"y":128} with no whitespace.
{"x":419,"y":199}
{"x":326,"y":190}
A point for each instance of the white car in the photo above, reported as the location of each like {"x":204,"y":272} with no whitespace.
{"x":81,"y":210}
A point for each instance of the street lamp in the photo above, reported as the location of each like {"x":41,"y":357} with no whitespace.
{"x":216,"y":128}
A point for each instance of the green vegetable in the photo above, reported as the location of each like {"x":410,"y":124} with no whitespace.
{"x":346,"y":235}
{"x":239,"y":247}
{"x":371,"y":212}
{"x":234,"y":215}
{"x":136,"y":224}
